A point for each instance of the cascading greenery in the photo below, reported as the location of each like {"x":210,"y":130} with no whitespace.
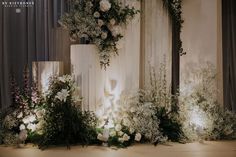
{"x":65,"y":123}
{"x":174,"y":8}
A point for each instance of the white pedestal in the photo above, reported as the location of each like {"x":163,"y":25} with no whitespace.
{"x":43,"y":70}
{"x":98,"y":86}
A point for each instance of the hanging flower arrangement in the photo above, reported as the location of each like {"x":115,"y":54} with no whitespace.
{"x":99,"y":22}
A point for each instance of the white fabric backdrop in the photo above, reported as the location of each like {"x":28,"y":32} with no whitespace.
{"x":157,"y":38}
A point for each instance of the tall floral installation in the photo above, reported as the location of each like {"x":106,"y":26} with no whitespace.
{"x":100,"y":22}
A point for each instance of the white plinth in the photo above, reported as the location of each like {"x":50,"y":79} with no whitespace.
{"x":98,"y":86}
{"x":43,"y":70}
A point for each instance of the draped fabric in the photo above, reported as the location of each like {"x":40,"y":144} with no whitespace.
{"x":25,"y":37}
{"x":156,"y":40}
{"x":229,"y":53}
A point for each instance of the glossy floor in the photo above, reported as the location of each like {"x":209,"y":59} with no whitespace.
{"x":206,"y":149}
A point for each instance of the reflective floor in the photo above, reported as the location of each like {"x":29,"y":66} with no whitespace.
{"x":206,"y":149}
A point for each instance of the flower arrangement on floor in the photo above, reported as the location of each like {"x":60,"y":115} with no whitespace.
{"x":99,"y":22}
{"x":25,"y":117}
{"x":203,"y":117}
{"x":65,"y":123}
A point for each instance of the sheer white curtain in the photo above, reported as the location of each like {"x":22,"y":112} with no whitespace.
{"x":156,"y":39}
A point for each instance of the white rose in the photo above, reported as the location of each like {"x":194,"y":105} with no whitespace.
{"x":25,"y":120}
{"x":96,"y":14}
{"x":105,"y":5}
{"x":113,"y":133}
{"x":20,"y":115}
{"x":22,"y":127}
{"x":101,"y":138}
{"x":104,"y":35}
{"x":126,"y":137}
{"x":116,"y":30}
{"x":120,"y":133}
{"x":112,"y":21}
{"x":118,"y":127}
{"x":138,"y":137}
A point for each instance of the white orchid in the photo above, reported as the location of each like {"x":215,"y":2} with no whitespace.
{"x":62,"y":95}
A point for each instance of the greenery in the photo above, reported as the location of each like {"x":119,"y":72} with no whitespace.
{"x":65,"y":123}
{"x":174,"y":8}
{"x":99,"y":22}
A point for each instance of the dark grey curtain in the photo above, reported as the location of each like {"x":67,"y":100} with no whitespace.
{"x":229,"y":52}
{"x":29,"y":36}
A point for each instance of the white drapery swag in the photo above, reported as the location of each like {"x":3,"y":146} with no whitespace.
{"x":156,"y":39}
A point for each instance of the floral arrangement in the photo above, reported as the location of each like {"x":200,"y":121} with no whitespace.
{"x":203,"y":117}
{"x":65,"y":123}
{"x":25,"y":117}
{"x":99,"y":22}
{"x":128,"y":124}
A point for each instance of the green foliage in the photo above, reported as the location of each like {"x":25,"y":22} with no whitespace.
{"x":174,"y":8}
{"x":65,"y":123}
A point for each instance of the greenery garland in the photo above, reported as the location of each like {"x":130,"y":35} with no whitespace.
{"x":174,"y":8}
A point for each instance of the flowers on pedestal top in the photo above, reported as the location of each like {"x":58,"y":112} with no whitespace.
{"x":100,"y":22}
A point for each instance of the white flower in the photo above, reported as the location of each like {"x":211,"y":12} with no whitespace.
{"x":105,"y":5}
{"x":121,"y":139}
{"x":116,"y":30}
{"x":101,"y":138}
{"x":31,"y":127}
{"x":113,"y":133}
{"x":131,"y":130}
{"x":39,"y":113}
{"x":67,"y":78}
{"x":96,"y":14}
{"x":126,"y":137}
{"x":20,"y":115}
{"x":22,"y":127}
{"x":32,"y":118}
{"x":138,"y":137}
{"x":132,"y":109}
{"x":104,"y":35}
{"x":100,"y":23}
{"x":112,"y":22}
{"x":126,"y":122}
{"x":26,"y":120}
{"x":62,"y":95}
{"x":120,"y":133}
{"x":118,"y":127}
{"x":23,"y":135}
